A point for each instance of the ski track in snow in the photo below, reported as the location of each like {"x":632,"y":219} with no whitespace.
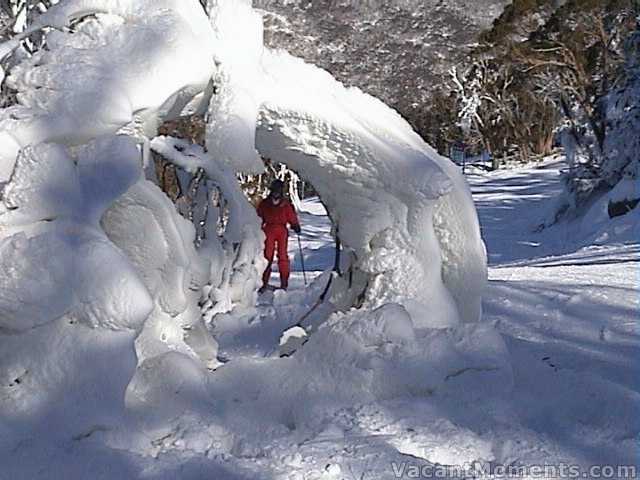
{"x":570,"y":320}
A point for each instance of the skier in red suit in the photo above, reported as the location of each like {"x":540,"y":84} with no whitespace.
{"x":276,"y":213}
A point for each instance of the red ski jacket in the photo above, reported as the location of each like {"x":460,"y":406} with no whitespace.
{"x":281,"y":214}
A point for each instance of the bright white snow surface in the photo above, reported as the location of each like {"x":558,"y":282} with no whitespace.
{"x":116,"y":312}
{"x":348,"y":404}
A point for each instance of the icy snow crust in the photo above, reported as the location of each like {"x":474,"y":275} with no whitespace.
{"x":109,"y":304}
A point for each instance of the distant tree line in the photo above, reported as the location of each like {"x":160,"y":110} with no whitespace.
{"x":539,"y":71}
{"x":545,"y":76}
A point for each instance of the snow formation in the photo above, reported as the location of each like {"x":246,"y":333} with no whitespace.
{"x":400,"y":207}
{"x":110,"y":296}
{"x":63,"y":87}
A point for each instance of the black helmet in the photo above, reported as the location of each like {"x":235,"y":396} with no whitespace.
{"x":277,"y":188}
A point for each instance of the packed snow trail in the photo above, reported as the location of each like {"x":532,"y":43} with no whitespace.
{"x":568,"y":310}
{"x":317,"y":243}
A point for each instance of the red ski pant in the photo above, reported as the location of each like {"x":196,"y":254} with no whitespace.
{"x":277,"y":239}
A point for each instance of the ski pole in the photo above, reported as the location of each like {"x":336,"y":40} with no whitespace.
{"x":304,"y":272}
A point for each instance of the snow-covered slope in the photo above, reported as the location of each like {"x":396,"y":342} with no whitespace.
{"x":566,"y":300}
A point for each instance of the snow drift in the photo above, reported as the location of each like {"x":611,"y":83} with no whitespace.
{"x":96,"y":258}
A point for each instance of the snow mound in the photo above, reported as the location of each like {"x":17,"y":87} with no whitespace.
{"x":60,"y":381}
{"x":599,"y":228}
{"x":380,"y":353}
{"x":59,"y":262}
{"x":363,"y":357}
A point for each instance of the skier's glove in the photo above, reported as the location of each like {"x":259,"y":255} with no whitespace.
{"x":296,"y":228}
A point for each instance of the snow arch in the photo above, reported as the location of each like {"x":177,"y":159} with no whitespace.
{"x":404,"y":211}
